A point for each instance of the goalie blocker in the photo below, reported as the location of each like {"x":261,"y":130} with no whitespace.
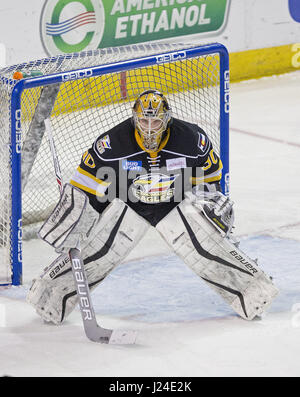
{"x":190,"y":229}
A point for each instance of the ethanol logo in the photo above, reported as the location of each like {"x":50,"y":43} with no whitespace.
{"x":78,"y":25}
{"x":71,"y":25}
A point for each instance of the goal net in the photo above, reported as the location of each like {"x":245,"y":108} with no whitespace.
{"x":85,"y":94}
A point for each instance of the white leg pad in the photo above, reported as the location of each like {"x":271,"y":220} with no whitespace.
{"x":217,"y":260}
{"x":118,"y":231}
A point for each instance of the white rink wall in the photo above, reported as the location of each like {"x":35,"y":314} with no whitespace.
{"x":244,"y":25}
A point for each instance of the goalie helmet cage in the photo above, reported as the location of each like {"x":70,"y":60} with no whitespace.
{"x":85,"y":94}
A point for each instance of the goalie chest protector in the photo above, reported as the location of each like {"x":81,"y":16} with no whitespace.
{"x":151,"y":184}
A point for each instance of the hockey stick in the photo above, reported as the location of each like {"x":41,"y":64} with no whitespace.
{"x":92,"y":330}
{"x":54,"y":155}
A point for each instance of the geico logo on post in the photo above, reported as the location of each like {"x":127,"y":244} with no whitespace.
{"x":20,"y":240}
{"x":226,"y":91}
{"x":174,"y":56}
{"x":77,"y":74}
{"x":227,"y":181}
{"x":18,"y":127}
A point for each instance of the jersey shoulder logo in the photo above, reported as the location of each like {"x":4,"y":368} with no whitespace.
{"x":102,"y":144}
{"x":203,"y":142}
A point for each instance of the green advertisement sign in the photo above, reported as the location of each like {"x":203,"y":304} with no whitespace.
{"x":77,"y":25}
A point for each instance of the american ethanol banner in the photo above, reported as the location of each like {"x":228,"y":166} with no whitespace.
{"x":37,"y":28}
{"x":72,"y":26}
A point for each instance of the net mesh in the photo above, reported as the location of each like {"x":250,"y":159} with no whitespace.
{"x":85,"y":108}
{"x":5,"y":183}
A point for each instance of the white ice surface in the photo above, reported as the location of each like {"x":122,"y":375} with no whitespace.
{"x":185,"y":329}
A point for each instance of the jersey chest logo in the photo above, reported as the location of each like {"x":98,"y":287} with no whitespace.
{"x":153,"y":188}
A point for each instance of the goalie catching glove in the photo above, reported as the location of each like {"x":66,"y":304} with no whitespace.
{"x":215,"y":206}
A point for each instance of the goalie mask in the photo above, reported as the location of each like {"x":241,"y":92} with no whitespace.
{"x":151,"y":116}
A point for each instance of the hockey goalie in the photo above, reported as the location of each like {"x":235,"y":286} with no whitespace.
{"x":151,"y":170}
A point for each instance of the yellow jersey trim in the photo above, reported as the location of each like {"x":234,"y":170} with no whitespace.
{"x":86,"y":189}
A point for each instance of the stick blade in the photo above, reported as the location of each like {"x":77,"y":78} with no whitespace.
{"x":119,"y":337}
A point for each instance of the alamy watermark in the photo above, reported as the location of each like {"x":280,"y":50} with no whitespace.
{"x":139,"y":185}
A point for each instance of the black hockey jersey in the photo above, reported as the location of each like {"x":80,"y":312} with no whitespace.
{"x":152,"y":184}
